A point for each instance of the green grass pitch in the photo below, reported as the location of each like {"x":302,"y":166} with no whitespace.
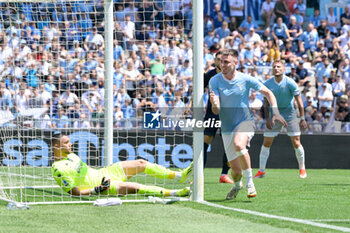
{"x":323,"y":197}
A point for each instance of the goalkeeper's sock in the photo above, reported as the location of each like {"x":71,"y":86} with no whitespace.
{"x":264,"y":155}
{"x":300,"y":154}
{"x":248,"y":175}
{"x":155,"y":191}
{"x":159,"y":171}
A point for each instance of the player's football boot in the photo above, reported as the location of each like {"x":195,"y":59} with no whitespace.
{"x":183,"y":192}
{"x":186,"y":173}
{"x":260,"y":174}
{"x":232,"y":194}
{"x":225,"y":179}
{"x":251,"y":192}
{"x":302,"y":173}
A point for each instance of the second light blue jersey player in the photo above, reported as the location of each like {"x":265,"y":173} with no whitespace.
{"x":284,"y":92}
{"x":234,"y":99}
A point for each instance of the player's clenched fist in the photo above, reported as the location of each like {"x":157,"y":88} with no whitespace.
{"x":215,"y":101}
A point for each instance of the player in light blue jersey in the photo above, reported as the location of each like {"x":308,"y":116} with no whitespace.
{"x":286,"y":90}
{"x":230,"y":99}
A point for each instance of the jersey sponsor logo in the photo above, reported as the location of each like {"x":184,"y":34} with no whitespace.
{"x":228,"y":92}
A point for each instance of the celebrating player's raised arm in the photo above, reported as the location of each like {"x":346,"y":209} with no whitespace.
{"x":273,"y":102}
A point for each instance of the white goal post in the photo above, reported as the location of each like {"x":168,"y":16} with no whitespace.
{"x":74,"y":67}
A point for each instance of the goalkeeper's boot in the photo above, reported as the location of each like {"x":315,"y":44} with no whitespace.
{"x":186,"y":173}
{"x":260,"y":174}
{"x":184,"y":192}
{"x":251,"y":192}
{"x":225,"y":179}
{"x":302,"y":173}
{"x":232,"y":194}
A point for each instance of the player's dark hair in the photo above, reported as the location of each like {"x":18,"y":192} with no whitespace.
{"x":279,"y":61}
{"x":218,"y":53}
{"x":56,"y":139}
{"x":230,"y":52}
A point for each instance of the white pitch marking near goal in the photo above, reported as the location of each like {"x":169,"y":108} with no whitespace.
{"x":28,"y":176}
{"x":329,"y":220}
{"x":302,"y":221}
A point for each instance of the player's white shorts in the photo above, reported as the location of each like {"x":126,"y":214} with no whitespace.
{"x":246,"y":127}
{"x":293,"y":129}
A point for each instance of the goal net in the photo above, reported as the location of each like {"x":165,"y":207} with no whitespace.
{"x":53,"y":80}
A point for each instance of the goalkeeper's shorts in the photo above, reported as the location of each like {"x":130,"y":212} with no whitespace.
{"x":116,"y":173}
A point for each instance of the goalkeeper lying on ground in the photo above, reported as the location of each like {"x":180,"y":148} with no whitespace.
{"x":77,"y":178}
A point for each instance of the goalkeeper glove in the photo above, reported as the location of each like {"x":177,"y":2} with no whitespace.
{"x":106,"y":182}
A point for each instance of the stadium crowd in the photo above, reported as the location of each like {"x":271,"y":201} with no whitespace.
{"x":52,"y":58}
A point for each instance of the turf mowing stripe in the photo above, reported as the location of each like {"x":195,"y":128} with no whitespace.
{"x":307,"y":222}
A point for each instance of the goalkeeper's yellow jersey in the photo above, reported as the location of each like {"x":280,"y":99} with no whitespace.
{"x":71,"y":172}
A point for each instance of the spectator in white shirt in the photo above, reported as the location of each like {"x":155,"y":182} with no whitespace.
{"x":173,"y":54}
{"x":266,"y":12}
{"x":132,"y":11}
{"x":325,"y":97}
{"x":251,"y":37}
{"x":128,"y":28}
{"x":172,"y":9}
{"x":187,"y":53}
{"x":68,"y":98}
{"x":344,"y":39}
{"x":21,"y":101}
{"x":24,"y":49}
{"x":118,"y":116}
{"x":236,"y":10}
{"x":160,"y":101}
{"x":45,"y":95}
{"x":338,"y":86}
{"x":82,"y":122}
{"x":95,"y":38}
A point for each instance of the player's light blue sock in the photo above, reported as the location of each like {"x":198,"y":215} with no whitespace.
{"x":264,"y":155}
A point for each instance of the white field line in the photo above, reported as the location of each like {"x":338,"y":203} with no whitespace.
{"x":28,"y":176}
{"x":329,"y":220}
{"x":29,"y":187}
{"x":302,"y":221}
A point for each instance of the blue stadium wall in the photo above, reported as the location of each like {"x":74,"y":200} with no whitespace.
{"x":33,"y":148}
{"x":321,"y":151}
